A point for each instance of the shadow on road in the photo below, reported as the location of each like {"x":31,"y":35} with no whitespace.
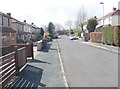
{"x":29,"y":77}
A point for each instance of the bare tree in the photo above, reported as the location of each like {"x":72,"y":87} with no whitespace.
{"x":58,"y":27}
{"x":81,"y":17}
{"x":69,"y":24}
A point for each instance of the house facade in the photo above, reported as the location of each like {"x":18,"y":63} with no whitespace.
{"x":13,"y":31}
{"x":27,"y":30}
{"x":34,"y":30}
{"x":116,"y":18}
{"x":109,"y":19}
{"x":19,"y":27}
{"x":23,"y":30}
{"x":8,"y":34}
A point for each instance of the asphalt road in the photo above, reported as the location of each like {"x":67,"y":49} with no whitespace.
{"x":87,"y":66}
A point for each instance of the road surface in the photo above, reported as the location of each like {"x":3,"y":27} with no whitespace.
{"x":87,"y":66}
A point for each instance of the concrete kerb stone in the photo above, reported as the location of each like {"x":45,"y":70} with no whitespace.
{"x":98,"y":46}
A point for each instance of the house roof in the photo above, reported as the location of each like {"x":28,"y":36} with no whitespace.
{"x":5,"y":15}
{"x":116,"y":12}
{"x":8,"y":29}
{"x":17,"y":21}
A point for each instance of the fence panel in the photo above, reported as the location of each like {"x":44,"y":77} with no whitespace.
{"x":29,"y":49}
{"x":11,"y":63}
{"x":7,"y":68}
{"x":22,"y":57}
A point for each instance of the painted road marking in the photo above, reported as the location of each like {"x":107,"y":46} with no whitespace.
{"x":62,"y":69}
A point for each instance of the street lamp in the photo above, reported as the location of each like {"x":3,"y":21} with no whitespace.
{"x":103,"y":11}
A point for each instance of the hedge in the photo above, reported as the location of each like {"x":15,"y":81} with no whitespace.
{"x":107,"y":33}
{"x":96,"y":37}
{"x":116,"y":36}
{"x":111,"y":35}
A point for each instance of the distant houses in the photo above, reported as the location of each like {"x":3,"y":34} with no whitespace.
{"x":13,"y":31}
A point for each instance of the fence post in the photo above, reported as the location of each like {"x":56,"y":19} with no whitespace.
{"x":16,"y":60}
{"x":32,"y":51}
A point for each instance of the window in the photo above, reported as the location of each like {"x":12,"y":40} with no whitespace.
{"x":8,"y":22}
{"x":6,"y":39}
{"x":13,"y":37}
{"x":5,"y":21}
{"x":0,"y":20}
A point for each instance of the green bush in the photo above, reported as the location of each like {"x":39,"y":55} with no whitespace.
{"x":116,"y":35}
{"x":111,"y":35}
{"x":107,"y":33}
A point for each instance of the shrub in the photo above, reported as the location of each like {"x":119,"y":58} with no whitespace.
{"x":116,"y":35}
{"x":96,"y":37}
{"x":107,"y":33}
{"x":111,"y":35}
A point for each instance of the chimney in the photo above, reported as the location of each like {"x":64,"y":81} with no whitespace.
{"x":9,"y":14}
{"x":25,"y":21}
{"x":32,"y":23}
{"x":114,"y":9}
{"x":95,"y":17}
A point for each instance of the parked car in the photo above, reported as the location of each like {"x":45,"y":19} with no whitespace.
{"x":73,"y":37}
{"x":55,"y":36}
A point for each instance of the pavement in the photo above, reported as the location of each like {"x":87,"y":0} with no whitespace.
{"x":43,"y":71}
{"x":102,"y":46}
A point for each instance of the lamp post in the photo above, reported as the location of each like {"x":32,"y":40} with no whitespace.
{"x":103,"y":11}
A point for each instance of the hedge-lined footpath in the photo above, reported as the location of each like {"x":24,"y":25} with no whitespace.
{"x":109,"y":35}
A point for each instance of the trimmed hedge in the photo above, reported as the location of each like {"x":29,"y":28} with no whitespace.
{"x":111,"y":35}
{"x":116,"y":36}
{"x":107,"y":33}
{"x":96,"y":37}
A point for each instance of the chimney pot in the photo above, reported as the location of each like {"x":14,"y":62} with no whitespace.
{"x":25,"y":21}
{"x":9,"y":14}
{"x":114,"y":9}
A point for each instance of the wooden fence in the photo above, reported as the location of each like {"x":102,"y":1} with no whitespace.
{"x":10,"y":64}
{"x":8,"y":68}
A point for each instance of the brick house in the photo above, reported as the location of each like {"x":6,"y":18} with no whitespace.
{"x":7,"y":33}
{"x":22,"y":29}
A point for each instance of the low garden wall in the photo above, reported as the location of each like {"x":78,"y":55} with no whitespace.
{"x":96,"y":37}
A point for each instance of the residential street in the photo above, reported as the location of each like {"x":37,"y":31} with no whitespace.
{"x":87,"y":66}
{"x":82,"y":66}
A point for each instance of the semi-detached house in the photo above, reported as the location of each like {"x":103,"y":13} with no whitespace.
{"x":7,"y":33}
{"x":110,"y":19}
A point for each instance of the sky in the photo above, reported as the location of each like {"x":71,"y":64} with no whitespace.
{"x":41,"y":12}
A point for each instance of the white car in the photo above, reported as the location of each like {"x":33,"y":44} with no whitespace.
{"x":73,"y":37}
